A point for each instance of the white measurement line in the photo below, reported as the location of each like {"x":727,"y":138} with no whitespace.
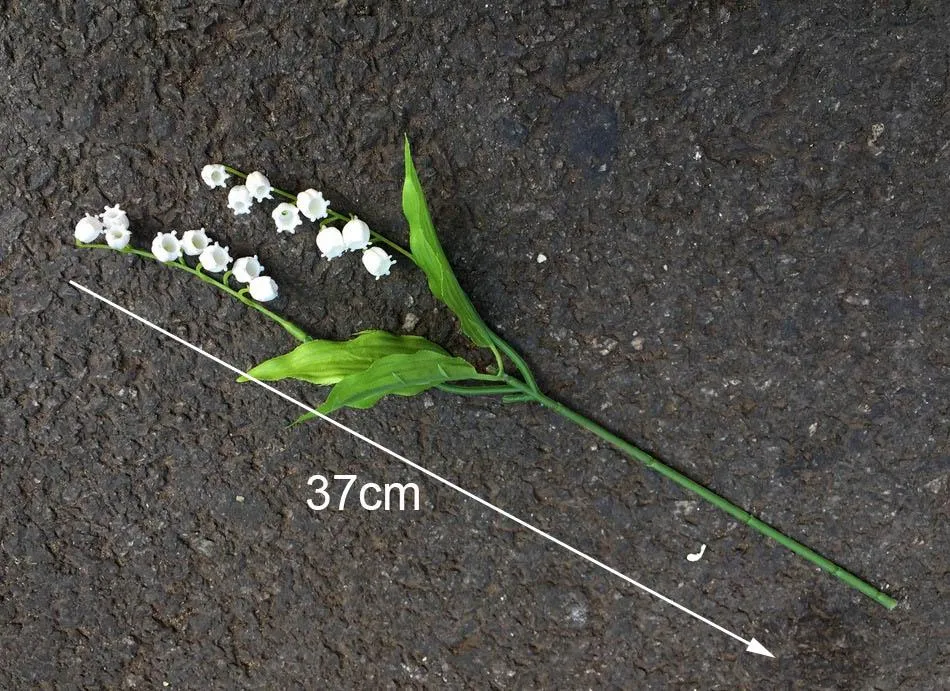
{"x":752,"y":646}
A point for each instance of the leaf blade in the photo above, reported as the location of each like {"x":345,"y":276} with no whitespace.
{"x":401,"y":375}
{"x":430,"y":257}
{"x":326,"y":362}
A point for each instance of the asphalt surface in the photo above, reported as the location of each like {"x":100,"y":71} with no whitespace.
{"x":743,"y":209}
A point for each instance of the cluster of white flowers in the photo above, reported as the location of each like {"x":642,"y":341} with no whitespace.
{"x":113,"y":222}
{"x":215,"y":259}
{"x":167,"y":247}
{"x":331,"y":241}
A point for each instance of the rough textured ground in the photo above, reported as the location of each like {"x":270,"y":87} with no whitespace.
{"x":744,"y":211}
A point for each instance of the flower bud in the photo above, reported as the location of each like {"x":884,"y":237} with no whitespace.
{"x":287,"y":218}
{"x":240,"y":199}
{"x":246,"y":269}
{"x":88,"y":229}
{"x":193,"y":242}
{"x":117,"y":238}
{"x":214,"y":175}
{"x":263,"y":289}
{"x":258,"y":185}
{"x":330,"y":242}
{"x":166,"y":247}
{"x":377,"y":262}
{"x":215,"y":258}
{"x":356,"y":234}
{"x":114,"y":217}
{"x":312,"y":204}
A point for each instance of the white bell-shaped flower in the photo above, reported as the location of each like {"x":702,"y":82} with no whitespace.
{"x":330,"y":242}
{"x":114,"y":217}
{"x":258,"y":185}
{"x":117,"y":238}
{"x":246,"y":269}
{"x":377,"y":262}
{"x":263,"y":288}
{"x":312,"y":204}
{"x":356,"y":234}
{"x":88,"y":229}
{"x":240,"y":199}
{"x":194,"y":242}
{"x":287,"y":218}
{"x":166,"y":247}
{"x":214,"y":175}
{"x":215,"y":258}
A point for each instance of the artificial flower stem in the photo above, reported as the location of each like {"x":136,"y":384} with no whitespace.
{"x":707,"y":494}
{"x":288,"y":326}
{"x":462,"y":390}
{"x":499,"y":342}
{"x":398,"y":248}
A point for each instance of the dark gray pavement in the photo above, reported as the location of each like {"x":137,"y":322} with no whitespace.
{"x":744,"y":208}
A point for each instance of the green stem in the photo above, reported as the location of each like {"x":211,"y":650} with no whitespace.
{"x":516,"y":358}
{"x":333,"y":216}
{"x":399,"y":248}
{"x":463,"y":390}
{"x":710,"y":496}
{"x":288,"y":325}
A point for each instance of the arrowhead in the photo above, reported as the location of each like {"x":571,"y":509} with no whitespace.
{"x":758,"y":649}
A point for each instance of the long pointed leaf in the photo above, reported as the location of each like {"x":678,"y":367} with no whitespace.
{"x":431,"y":258}
{"x":401,"y":375}
{"x":325,"y":362}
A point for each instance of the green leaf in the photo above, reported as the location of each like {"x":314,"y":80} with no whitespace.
{"x":324,"y":362}
{"x":431,"y":258}
{"x":402,"y":375}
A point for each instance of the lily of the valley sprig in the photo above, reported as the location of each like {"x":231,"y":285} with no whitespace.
{"x":375,"y":364}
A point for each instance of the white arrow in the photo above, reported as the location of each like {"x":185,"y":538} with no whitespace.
{"x":752,"y":646}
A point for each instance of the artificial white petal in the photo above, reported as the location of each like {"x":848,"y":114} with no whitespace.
{"x":263,"y":288}
{"x":287,"y":218}
{"x":166,"y":247}
{"x":356,"y":234}
{"x":214,"y":175}
{"x":330,"y":242}
{"x":258,"y":185}
{"x":246,"y":269}
{"x":194,"y":242}
{"x":114,"y":217}
{"x":240,"y":199}
{"x":88,"y":229}
{"x":312,"y":204}
{"x":117,"y":238}
{"x":377,"y":262}
{"x":215,"y":258}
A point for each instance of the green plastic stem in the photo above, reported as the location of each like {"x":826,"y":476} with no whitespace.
{"x":707,"y":494}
